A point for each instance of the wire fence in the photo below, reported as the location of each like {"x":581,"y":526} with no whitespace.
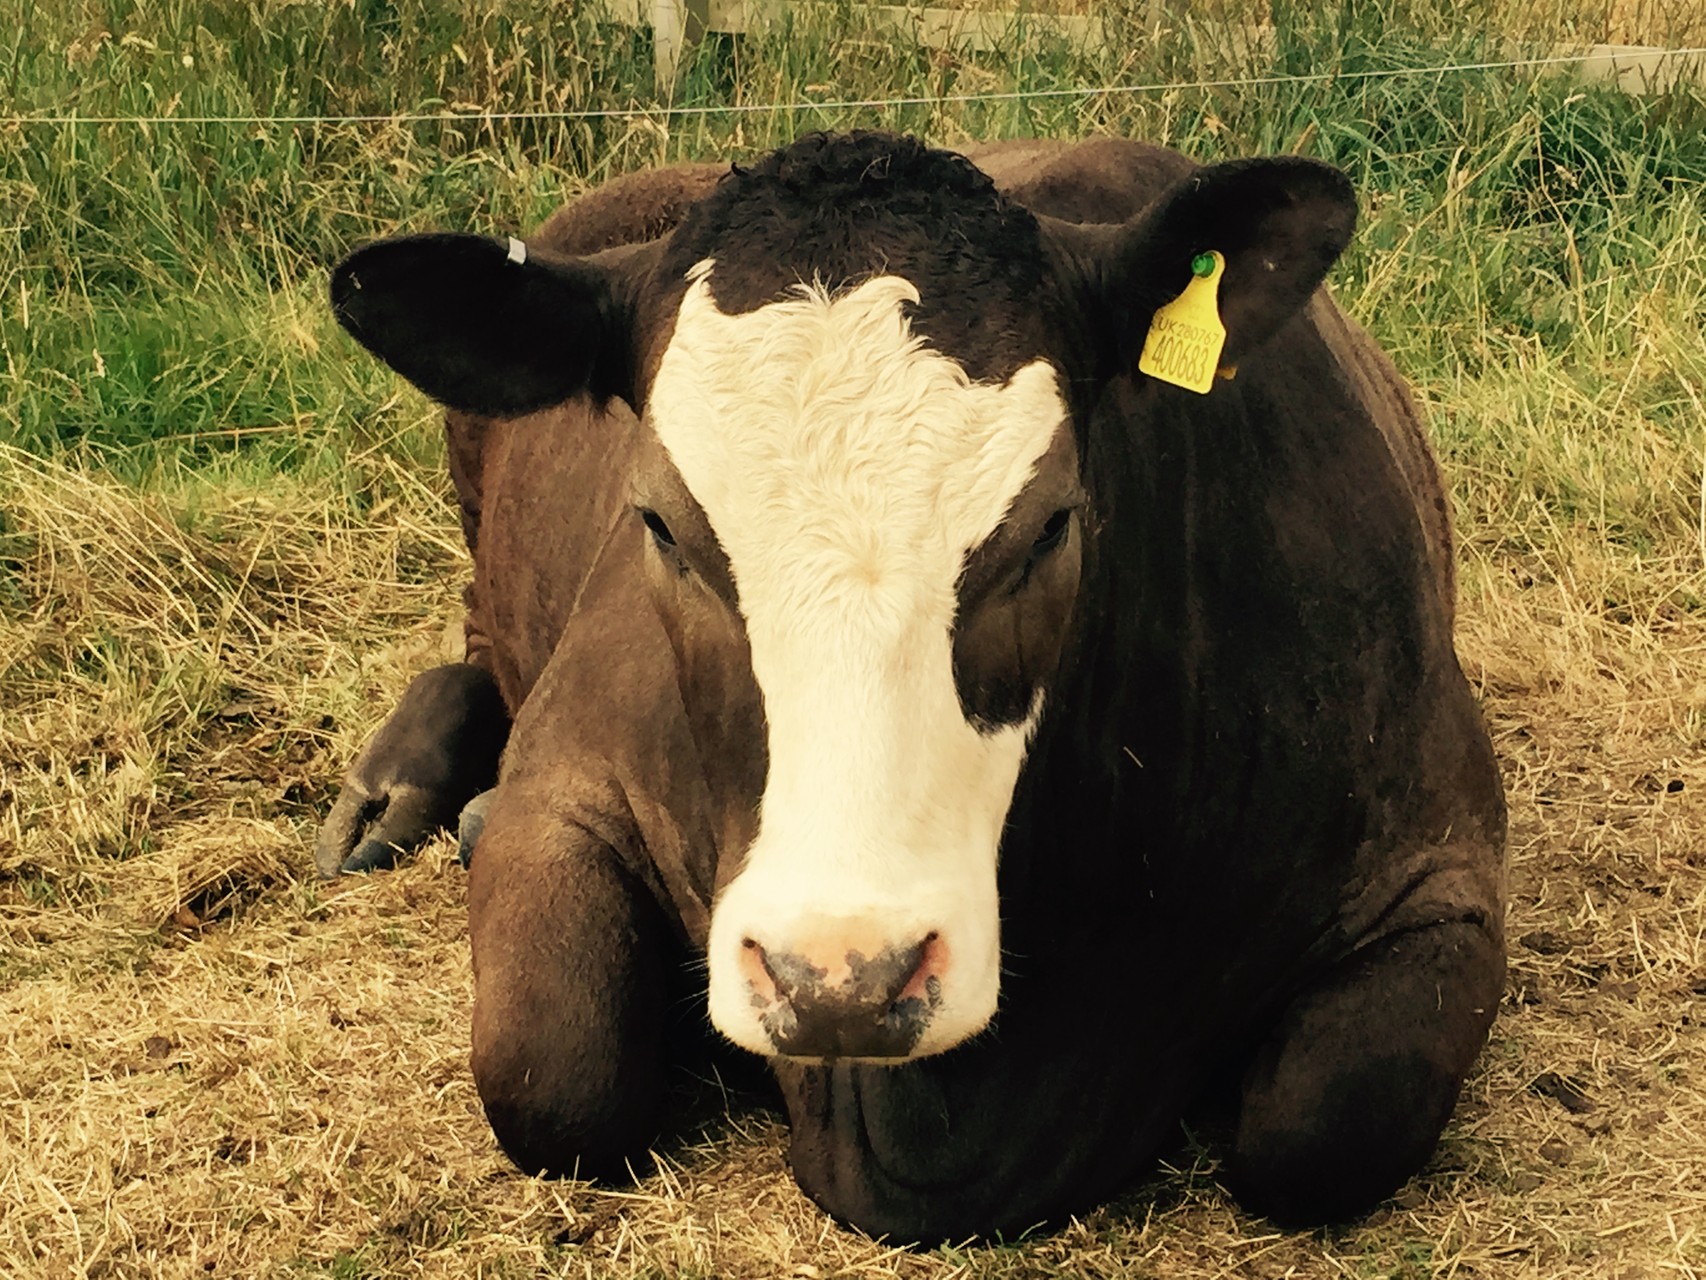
{"x":1674,"y":57}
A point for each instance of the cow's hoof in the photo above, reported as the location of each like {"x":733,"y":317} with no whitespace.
{"x":469,"y":826}
{"x":371,"y":855}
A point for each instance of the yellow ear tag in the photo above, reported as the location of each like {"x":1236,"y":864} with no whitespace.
{"x":1186,"y":337}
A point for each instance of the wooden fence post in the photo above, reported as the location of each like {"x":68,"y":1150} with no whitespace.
{"x":675,"y":25}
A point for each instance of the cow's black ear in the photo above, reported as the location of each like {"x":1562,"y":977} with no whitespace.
{"x":488,"y":326}
{"x":1280,"y":224}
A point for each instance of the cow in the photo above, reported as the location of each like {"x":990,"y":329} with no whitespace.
{"x":1008,"y":745}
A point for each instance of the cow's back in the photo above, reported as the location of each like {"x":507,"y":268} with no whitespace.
{"x":1100,"y":180}
{"x":628,"y":210}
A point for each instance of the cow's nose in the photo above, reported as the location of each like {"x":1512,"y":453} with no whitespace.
{"x":843,"y":1003}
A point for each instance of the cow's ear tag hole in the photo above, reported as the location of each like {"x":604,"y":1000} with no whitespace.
{"x":1186,"y":337}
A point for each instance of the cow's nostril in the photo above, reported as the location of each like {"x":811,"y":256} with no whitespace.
{"x":924,"y":983}
{"x":841,"y":1001}
{"x":759,"y":978}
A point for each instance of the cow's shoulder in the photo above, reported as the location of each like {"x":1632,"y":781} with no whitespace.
{"x":1391,"y":406}
{"x":627,"y":210}
{"x":1097,"y":180}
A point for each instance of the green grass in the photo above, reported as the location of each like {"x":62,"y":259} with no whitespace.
{"x":162,"y":284}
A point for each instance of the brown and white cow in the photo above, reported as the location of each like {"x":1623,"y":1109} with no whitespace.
{"x":1012,"y":743}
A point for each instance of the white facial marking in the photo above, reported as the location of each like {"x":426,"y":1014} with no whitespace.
{"x":847,"y":469}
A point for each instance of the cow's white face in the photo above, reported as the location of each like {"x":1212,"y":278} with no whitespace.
{"x":847,"y":472}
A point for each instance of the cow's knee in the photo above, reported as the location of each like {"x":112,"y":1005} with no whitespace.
{"x":1347,"y":1098}
{"x":572,"y":969}
{"x":568,"y":1109}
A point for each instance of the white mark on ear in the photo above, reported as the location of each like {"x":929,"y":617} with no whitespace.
{"x":517,"y":251}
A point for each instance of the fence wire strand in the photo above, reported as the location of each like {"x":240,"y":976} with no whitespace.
{"x":855,"y":104}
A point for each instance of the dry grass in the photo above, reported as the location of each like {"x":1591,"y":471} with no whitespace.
{"x":211,"y":1065}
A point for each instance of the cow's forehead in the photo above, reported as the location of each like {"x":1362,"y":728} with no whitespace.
{"x":835,"y":452}
{"x":848,"y":209}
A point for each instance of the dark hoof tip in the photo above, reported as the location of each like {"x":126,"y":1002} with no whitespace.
{"x":371,"y":855}
{"x":470,"y":825}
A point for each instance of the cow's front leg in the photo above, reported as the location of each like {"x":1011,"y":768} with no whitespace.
{"x":437,"y":751}
{"x":1347,"y":1097}
{"x":575,"y":977}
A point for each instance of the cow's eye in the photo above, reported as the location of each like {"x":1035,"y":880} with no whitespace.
{"x":659,"y":529}
{"x":1053,"y":533}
